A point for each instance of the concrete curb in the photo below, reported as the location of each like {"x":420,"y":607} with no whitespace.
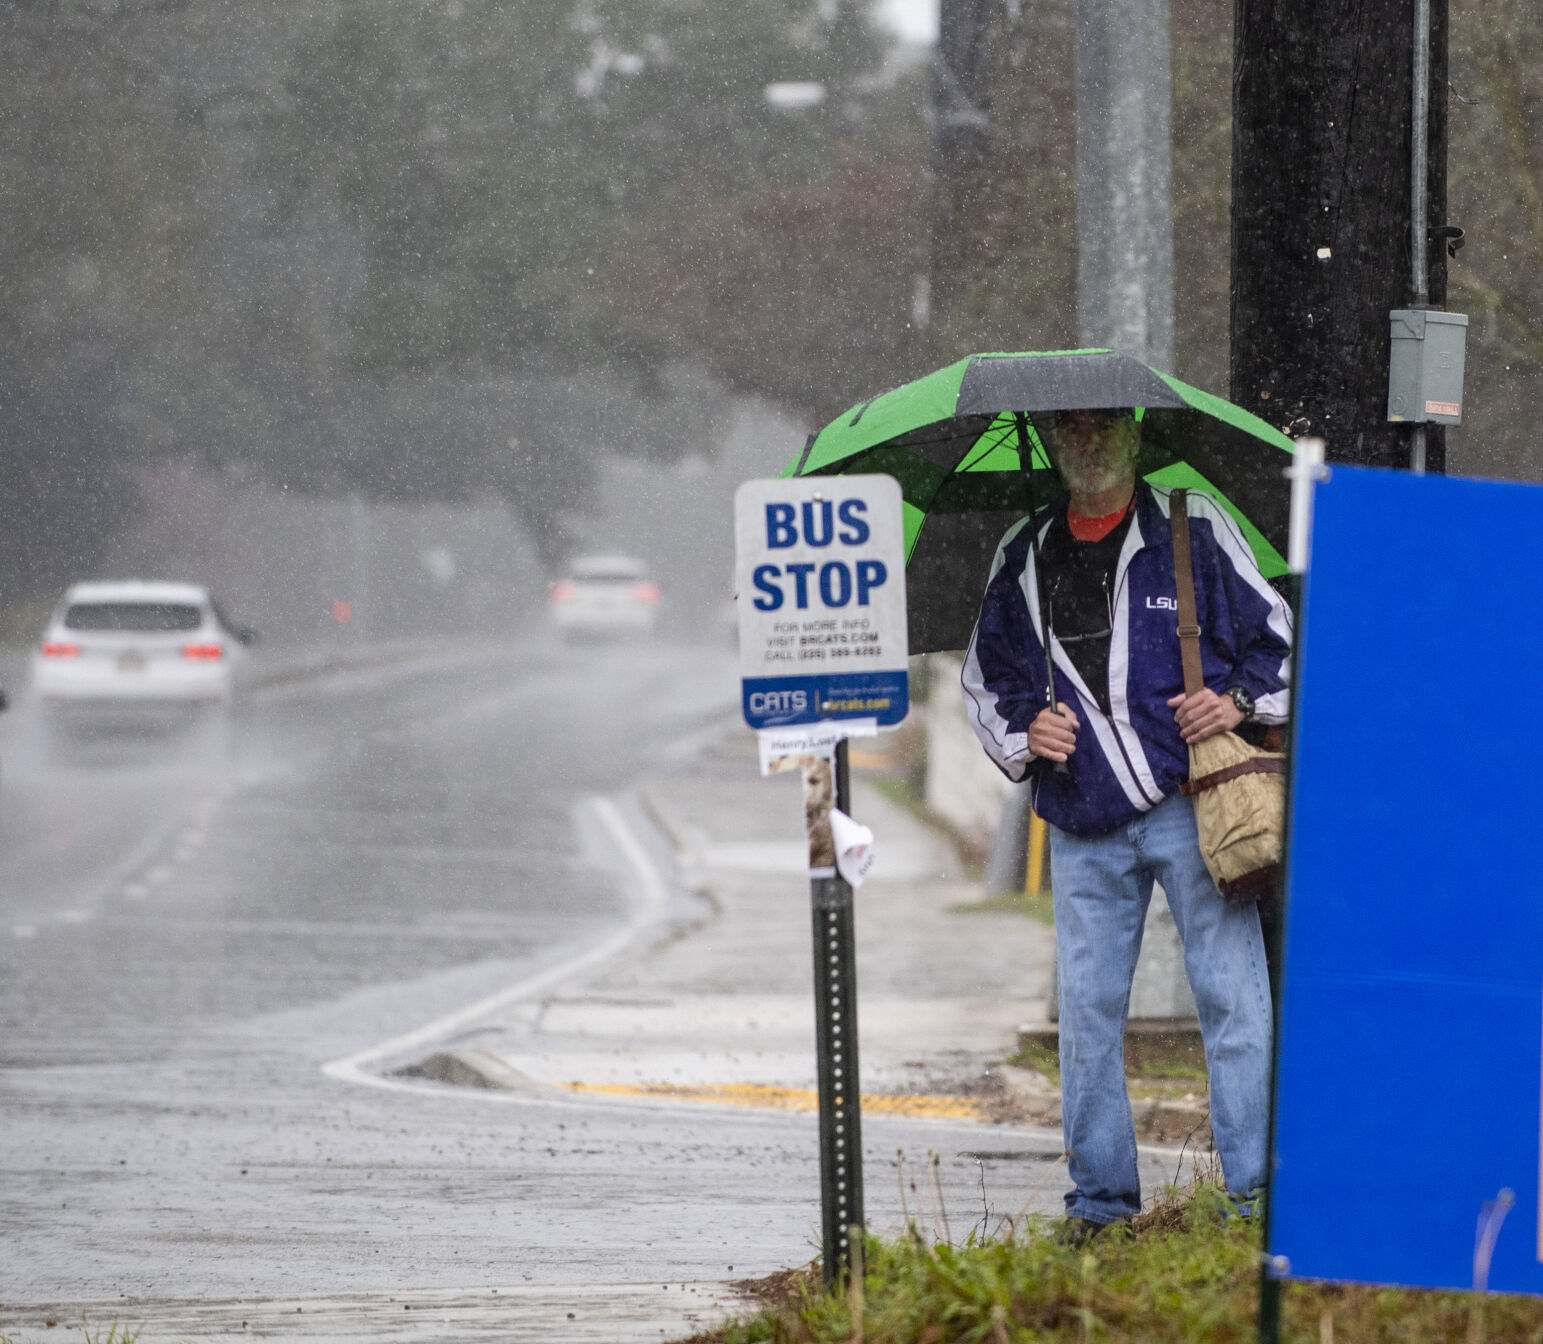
{"x":1159,"y":1120}
{"x":1162,"y":1121}
{"x":470,"y":1068}
{"x":714,"y":1014}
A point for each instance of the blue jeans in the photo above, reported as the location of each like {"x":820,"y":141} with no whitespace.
{"x":1101,"y":887}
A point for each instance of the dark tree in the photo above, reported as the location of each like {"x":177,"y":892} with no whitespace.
{"x":1320,"y":215}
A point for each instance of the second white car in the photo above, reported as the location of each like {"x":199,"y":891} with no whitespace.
{"x":605,"y":595}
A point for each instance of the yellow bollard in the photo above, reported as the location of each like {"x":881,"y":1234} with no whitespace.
{"x":1035,"y":870}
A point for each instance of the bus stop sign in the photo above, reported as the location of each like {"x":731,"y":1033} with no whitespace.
{"x":820,"y":578}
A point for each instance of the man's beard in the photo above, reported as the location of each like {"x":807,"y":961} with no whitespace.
{"x":1089,"y":475}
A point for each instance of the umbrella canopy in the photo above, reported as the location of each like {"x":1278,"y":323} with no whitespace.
{"x":954,"y":440}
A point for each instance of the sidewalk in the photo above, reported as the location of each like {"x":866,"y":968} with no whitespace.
{"x":723,"y":1011}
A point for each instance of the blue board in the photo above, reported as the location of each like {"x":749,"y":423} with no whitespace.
{"x":1411,"y":1026}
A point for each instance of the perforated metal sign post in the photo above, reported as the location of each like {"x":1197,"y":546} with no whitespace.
{"x":835,"y":1031}
{"x":1408,"y":1134}
{"x":820,"y":564}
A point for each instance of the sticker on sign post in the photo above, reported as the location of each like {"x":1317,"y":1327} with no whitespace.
{"x":820,"y":570}
{"x":819,"y":739}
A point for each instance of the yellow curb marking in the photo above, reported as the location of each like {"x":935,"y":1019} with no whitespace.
{"x":790,"y":1098}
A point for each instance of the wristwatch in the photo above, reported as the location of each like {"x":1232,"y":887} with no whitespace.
{"x":1243,"y":700}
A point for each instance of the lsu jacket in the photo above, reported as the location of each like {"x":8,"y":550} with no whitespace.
{"x":1129,"y":760}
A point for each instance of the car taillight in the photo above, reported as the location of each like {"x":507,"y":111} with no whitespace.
{"x":203,"y":652}
{"x":564,"y":592}
{"x":53,"y":650}
{"x":645,"y":592}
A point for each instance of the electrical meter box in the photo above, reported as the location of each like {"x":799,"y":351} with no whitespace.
{"x":1425,"y":365}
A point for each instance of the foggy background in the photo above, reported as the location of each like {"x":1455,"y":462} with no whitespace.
{"x":404,"y":305}
{"x":279,"y":560}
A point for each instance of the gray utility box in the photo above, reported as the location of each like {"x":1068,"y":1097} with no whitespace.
{"x":1425,"y":365}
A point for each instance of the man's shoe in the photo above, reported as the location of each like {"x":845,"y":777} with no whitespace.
{"x":1249,"y":1206}
{"x":1079,"y":1232}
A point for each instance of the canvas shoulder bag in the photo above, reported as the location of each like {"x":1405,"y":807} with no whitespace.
{"x":1239,"y":790}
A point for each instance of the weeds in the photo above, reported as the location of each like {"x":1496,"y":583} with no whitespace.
{"x":1154,"y":1067}
{"x":1043,"y":1059}
{"x":1037,"y":908}
{"x":1186,"y":1271}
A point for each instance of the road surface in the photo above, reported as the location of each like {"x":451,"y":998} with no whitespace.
{"x":206,"y":938}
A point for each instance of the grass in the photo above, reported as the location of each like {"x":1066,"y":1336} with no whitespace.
{"x":1038,"y":907}
{"x":1150,"y":1070}
{"x":1185,"y":1273}
{"x":1041,"y":1058}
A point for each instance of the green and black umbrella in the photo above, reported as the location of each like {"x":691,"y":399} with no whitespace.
{"x":965,"y":443}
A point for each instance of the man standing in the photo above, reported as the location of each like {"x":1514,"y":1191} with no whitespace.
{"x":1105,"y":762}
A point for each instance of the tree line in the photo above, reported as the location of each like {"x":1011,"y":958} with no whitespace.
{"x":455,"y":248}
{"x":435,"y":249}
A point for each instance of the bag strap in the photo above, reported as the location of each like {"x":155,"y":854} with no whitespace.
{"x":1254,"y":765}
{"x":1184,"y":579}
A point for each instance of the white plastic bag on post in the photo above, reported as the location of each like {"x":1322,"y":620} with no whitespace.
{"x":854,"y":847}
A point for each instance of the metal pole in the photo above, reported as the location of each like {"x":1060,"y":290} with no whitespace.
{"x":1026,"y":461}
{"x":1006,"y":868}
{"x":1419,"y":166}
{"x":1305,"y":471}
{"x":835,"y":1016}
{"x":1034,"y":882}
{"x":1269,"y":1265}
{"x":1419,"y":209}
{"x":1125,"y":177}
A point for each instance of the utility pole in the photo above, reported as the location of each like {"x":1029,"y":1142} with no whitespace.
{"x":1125,"y":178}
{"x":1339,"y":147}
{"x":1053,"y":117}
{"x":1125,"y":286}
{"x":1322,"y":239}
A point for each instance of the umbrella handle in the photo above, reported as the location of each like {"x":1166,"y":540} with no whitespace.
{"x":1060,"y":767}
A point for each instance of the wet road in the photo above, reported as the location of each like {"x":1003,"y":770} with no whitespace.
{"x":346,"y":831}
{"x":192,"y":929}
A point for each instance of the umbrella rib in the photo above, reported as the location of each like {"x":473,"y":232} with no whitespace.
{"x":984,"y":452}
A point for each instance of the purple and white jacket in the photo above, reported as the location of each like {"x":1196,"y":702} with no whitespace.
{"x":1129,"y":760}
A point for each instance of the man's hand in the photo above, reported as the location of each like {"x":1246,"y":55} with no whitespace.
{"x":1202,"y":715}
{"x":1053,"y":734}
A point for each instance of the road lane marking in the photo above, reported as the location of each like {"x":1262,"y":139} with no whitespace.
{"x":652,"y":897}
{"x":789,"y":1098}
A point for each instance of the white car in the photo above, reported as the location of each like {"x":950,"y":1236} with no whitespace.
{"x":605,"y":595}
{"x":137,"y":643}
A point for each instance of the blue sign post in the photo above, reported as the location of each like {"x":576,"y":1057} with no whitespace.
{"x":1408,"y":1121}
